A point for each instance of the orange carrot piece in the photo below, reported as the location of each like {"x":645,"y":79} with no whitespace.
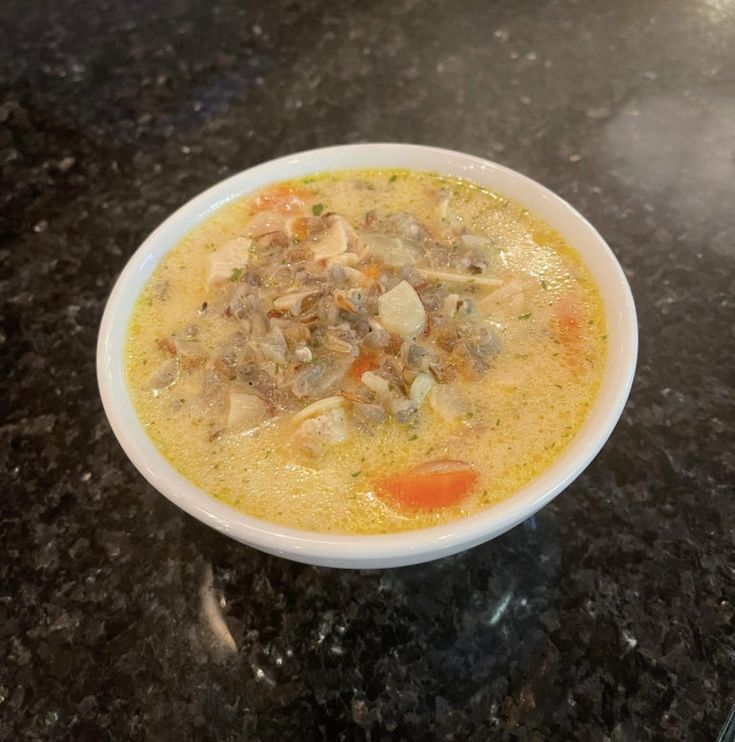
{"x":435,"y":484}
{"x":569,"y":315}
{"x":301,"y":228}
{"x":373,"y":270}
{"x":366,"y":361}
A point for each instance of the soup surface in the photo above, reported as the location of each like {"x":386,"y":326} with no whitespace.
{"x":366,"y":351}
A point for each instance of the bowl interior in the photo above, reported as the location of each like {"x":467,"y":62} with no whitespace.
{"x":380,"y":550}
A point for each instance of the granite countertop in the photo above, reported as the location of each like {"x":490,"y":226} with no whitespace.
{"x":607,"y":617}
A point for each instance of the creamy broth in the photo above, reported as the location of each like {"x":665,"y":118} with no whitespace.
{"x":506,"y":407}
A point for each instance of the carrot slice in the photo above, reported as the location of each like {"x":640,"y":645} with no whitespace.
{"x":435,"y":484}
{"x":373,"y":270}
{"x":569,"y":315}
{"x":366,"y":361}
{"x":285,"y":199}
{"x":301,"y":228}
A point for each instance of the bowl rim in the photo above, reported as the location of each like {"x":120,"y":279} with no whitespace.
{"x":331,"y":549}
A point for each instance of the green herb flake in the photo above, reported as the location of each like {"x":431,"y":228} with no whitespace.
{"x":544,"y":286}
{"x":356,"y":473}
{"x":317,"y":209}
{"x":413,"y":437}
{"x":235,"y":275}
{"x":393,"y":179}
{"x":524,"y":316}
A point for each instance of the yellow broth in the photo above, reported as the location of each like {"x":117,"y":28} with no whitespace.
{"x":521,"y":415}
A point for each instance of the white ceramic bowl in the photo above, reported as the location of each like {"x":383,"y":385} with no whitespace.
{"x":380,"y":550}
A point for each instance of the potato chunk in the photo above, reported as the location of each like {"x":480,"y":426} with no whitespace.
{"x":401,"y":311}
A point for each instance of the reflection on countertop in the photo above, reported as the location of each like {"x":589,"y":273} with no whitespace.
{"x":609,"y":616}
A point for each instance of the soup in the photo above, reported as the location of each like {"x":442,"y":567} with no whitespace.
{"x":366,"y":351}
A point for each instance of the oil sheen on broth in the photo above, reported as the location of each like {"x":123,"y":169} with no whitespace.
{"x":366,"y":351}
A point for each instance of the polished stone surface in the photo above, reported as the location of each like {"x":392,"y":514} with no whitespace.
{"x":608,"y":617}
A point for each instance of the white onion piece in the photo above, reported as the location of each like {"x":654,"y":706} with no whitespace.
{"x":447,"y":401}
{"x":319,"y":407}
{"x":246,"y":411}
{"x":421,"y":387}
{"x":227,"y":258}
{"x":459,"y":277}
{"x":333,"y":242}
{"x":317,"y":433}
{"x":393,"y":250}
{"x":267,"y":222}
{"x":376,"y":384}
{"x":477,"y":241}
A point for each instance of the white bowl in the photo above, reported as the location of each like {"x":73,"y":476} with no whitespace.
{"x":365,"y":551}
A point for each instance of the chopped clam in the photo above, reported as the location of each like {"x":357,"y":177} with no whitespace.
{"x":291,"y":302}
{"x":271,"y":347}
{"x":318,"y":379}
{"x":355,"y":276}
{"x":345,"y":301}
{"x":372,"y":414}
{"x":191,"y":354}
{"x":450,"y":304}
{"x":442,"y":208}
{"x":303,"y":354}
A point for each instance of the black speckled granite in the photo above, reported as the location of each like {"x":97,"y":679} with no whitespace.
{"x":608,"y":617}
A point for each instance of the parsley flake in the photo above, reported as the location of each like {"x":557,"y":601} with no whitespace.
{"x":317,"y":209}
